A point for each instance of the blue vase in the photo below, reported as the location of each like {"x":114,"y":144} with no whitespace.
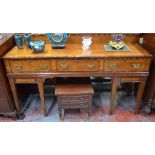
{"x":27,"y":39}
{"x":18,"y":40}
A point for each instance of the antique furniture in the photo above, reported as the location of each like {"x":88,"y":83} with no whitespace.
{"x":74,"y":94}
{"x":121,"y":66}
{"x":149,"y":92}
{"x":37,"y":46}
{"x":19,"y":40}
{"x":27,"y":39}
{"x":57,"y":39}
{"x":7,"y":107}
{"x":117,"y":41}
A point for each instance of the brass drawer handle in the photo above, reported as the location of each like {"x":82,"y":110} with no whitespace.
{"x":112,"y":65}
{"x":91,"y":66}
{"x":43,"y":66}
{"x":18,"y":67}
{"x":64,"y":66}
{"x":136,"y":65}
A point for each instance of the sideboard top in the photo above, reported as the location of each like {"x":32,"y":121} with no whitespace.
{"x":75,"y":51}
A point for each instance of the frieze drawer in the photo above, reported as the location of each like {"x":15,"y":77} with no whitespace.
{"x":31,"y":66}
{"x":77,"y":65}
{"x":127,"y":65}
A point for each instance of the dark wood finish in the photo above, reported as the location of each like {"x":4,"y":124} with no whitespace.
{"x":74,"y":96}
{"x":149,"y":92}
{"x":6,"y":101}
{"x":132,"y":66}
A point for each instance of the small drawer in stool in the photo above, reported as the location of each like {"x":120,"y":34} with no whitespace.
{"x":74,"y":96}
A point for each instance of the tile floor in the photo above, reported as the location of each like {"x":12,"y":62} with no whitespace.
{"x":123,"y":110}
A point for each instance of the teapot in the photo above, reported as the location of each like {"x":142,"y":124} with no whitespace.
{"x":37,"y":46}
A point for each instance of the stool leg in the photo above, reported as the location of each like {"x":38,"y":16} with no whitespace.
{"x":62,"y":113}
{"x":59,"y":111}
{"x":90,"y":106}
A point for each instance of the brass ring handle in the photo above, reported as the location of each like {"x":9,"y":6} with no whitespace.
{"x":18,"y":67}
{"x":91,"y":66}
{"x":112,"y":65}
{"x":136,"y":65}
{"x":64,"y":66}
{"x":43,"y":66}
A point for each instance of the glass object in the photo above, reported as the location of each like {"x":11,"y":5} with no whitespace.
{"x":86,"y":42}
{"x":27,"y":39}
{"x":18,"y":40}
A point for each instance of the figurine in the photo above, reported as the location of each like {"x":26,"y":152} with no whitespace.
{"x":117,"y":41}
{"x":37,"y":46}
{"x":57,"y":39}
{"x":18,"y":40}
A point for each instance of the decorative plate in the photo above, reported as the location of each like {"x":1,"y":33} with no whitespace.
{"x":57,"y":39}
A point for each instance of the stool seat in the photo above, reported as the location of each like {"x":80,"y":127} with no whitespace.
{"x":73,"y":89}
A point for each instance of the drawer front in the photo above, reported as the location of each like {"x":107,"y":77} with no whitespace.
{"x":31,"y":66}
{"x":77,"y":104}
{"x":73,"y":98}
{"x":77,"y":65}
{"x":127,"y":65}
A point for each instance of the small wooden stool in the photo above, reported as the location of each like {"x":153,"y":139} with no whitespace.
{"x":74,"y":96}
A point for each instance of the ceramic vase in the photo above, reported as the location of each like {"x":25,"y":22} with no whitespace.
{"x":27,"y":39}
{"x":18,"y":40}
{"x":38,"y":46}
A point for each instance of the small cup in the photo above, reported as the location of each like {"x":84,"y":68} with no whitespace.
{"x":18,"y":40}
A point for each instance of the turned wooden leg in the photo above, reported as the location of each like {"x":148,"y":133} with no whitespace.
{"x":113,"y":94}
{"x":139,"y":95}
{"x":15,"y":95}
{"x":41,"y":93}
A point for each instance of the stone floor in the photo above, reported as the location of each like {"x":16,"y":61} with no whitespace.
{"x":123,"y":110}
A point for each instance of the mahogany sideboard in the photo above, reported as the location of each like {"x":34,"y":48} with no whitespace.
{"x":23,"y":66}
{"x":149,"y":92}
{"x":6,"y":100}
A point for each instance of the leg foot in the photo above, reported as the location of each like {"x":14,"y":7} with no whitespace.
{"x":21,"y":116}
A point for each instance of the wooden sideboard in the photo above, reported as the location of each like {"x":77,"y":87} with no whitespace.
{"x":149,"y":93}
{"x":7,"y":107}
{"x":23,"y":66}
